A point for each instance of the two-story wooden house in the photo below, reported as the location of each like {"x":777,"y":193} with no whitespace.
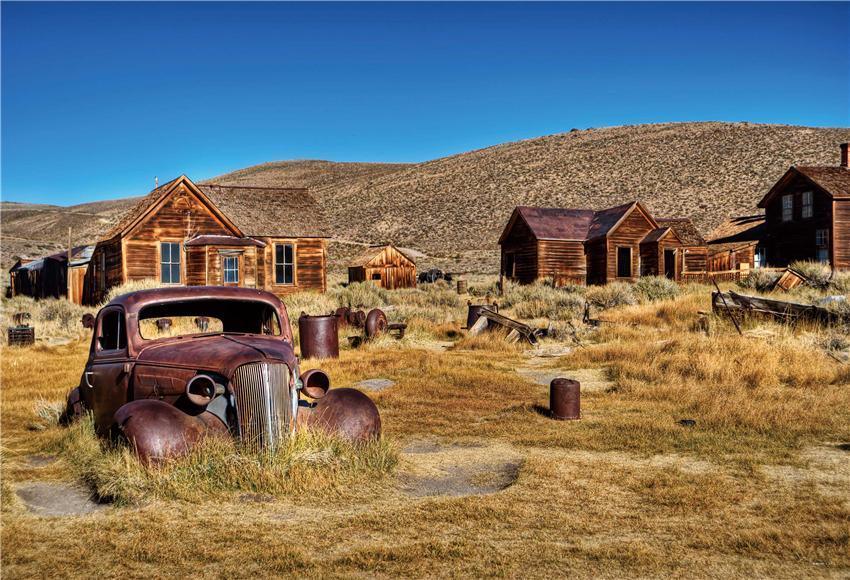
{"x":187,"y":234}
{"x":807,"y":216}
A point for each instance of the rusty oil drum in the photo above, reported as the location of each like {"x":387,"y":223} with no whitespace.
{"x":475,"y":311}
{"x":565,"y":399}
{"x":318,"y":336}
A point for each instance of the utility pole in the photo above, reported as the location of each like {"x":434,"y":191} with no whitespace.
{"x":70,"y":298}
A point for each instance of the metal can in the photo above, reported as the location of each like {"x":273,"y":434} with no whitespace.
{"x":318,"y":336}
{"x":565,"y":399}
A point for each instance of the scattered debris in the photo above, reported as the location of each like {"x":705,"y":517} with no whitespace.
{"x":790,"y":279}
{"x":687,"y":422}
{"x":473,"y":311}
{"x":22,"y":334}
{"x":87,"y":320}
{"x":432,"y":275}
{"x":373,"y":324}
{"x":732,"y":302}
{"x":487,"y":319}
{"x":57,"y":499}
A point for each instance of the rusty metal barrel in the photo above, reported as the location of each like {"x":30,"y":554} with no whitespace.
{"x":461,"y":287}
{"x":565,"y":399}
{"x":318,"y":336}
{"x":475,"y":311}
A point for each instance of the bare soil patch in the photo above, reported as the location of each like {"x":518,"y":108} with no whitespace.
{"x":433,"y":469}
{"x":57,"y":499}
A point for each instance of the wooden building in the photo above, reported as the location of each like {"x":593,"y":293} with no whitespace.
{"x":386,"y":266}
{"x":581,"y":246}
{"x":187,"y":234}
{"x":694,"y":249}
{"x":51,"y":276}
{"x":807,"y":216}
{"x":736,"y":245}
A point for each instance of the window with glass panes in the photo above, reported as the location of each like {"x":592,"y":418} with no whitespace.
{"x":284,"y":264}
{"x":231,"y":269}
{"x":787,"y":208}
{"x":169,"y":261}
{"x":808,"y":204}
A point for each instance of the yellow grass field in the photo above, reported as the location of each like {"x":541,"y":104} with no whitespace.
{"x":473,"y":478}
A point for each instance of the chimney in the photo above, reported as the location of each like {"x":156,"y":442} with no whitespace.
{"x":844,"y":154}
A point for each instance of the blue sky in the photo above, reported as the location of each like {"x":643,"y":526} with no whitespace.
{"x":97,"y":98}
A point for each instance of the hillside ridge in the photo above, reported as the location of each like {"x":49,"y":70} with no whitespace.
{"x":454,"y":207}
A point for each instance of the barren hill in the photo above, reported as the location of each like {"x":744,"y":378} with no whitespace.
{"x":38,"y":229}
{"x":454,"y":208}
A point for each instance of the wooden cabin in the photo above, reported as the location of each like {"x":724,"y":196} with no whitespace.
{"x":694,"y":249}
{"x":386,"y":266}
{"x":582,"y":246}
{"x":187,"y":234}
{"x":51,"y":276}
{"x":807,"y":216}
{"x":736,"y":245}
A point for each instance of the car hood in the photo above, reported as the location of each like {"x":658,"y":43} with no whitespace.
{"x":221,"y":353}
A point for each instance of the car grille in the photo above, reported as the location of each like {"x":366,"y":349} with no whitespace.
{"x":263,"y":404}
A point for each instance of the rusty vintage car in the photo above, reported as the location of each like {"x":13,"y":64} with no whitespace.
{"x":168,"y":367}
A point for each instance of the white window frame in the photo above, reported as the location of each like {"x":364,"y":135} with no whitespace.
{"x":225,"y":269}
{"x":171,"y":262}
{"x":808,"y":204}
{"x":283,"y":264}
{"x":788,"y":207}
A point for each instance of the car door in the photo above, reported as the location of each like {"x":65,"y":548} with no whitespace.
{"x":108,"y":370}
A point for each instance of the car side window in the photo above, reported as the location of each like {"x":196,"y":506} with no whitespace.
{"x":112,"y":334}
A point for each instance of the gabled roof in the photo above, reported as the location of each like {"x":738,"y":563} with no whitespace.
{"x":834,"y":181}
{"x":606,"y":220}
{"x":148,"y":205}
{"x":736,"y":230}
{"x":270,"y":211}
{"x":363,"y":258}
{"x":555,"y":223}
{"x":657,"y":234}
{"x":685,"y":229}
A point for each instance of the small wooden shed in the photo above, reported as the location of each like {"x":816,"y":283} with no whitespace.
{"x":386,"y":266}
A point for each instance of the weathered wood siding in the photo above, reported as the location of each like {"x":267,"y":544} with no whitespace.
{"x":182,"y":216}
{"x":628,"y":234}
{"x":840,"y":238}
{"x":793,"y":240}
{"x":310,"y":272}
{"x":196,"y":266}
{"x":695,"y":258}
{"x":521,"y":244}
{"x":105,"y":271}
{"x":76,"y":283}
{"x":562,"y":261}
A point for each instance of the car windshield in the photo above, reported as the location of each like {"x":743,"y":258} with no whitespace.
{"x":207,"y":316}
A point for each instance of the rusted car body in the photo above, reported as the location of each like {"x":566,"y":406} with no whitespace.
{"x":237,"y":375}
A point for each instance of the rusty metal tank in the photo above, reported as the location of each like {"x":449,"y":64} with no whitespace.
{"x":474,"y":311}
{"x":318,"y":336}
{"x":565,"y":399}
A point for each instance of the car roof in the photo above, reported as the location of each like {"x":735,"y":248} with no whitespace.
{"x":135,"y":301}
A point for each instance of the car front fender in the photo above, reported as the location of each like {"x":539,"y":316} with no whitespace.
{"x":157,"y":431}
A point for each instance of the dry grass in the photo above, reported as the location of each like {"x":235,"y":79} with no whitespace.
{"x":625,"y":492}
